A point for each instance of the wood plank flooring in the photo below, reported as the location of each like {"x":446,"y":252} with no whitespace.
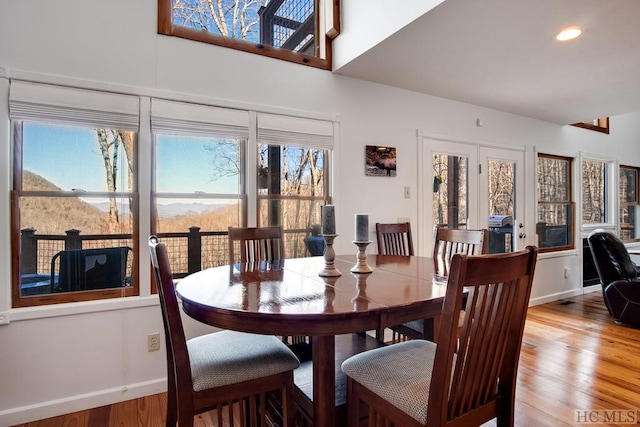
{"x":574,"y":357}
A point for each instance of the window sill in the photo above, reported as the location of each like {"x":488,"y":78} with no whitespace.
{"x":85,"y":307}
{"x":557,"y":254}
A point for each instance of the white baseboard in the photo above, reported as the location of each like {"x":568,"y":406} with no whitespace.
{"x":39,"y":411}
{"x":566,"y":294}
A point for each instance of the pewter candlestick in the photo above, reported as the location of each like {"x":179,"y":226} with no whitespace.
{"x":361,"y":266}
{"x":329,"y":255}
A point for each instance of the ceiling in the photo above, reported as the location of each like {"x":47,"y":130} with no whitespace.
{"x":502,"y":54}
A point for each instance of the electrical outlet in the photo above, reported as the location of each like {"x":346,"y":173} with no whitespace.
{"x":153,"y":342}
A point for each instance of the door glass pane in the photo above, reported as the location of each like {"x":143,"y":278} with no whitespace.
{"x":450,"y":191}
{"x":502,"y":199}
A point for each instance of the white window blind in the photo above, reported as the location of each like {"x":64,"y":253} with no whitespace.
{"x":57,"y":104}
{"x":287,"y":130}
{"x":198,"y":120}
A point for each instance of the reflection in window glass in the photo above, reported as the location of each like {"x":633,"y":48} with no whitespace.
{"x":628,"y":188}
{"x":554,"y":225}
{"x":594,"y":202}
{"x":450,"y":191}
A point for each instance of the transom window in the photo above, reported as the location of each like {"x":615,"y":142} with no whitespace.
{"x":293,"y":30}
{"x":598,"y":125}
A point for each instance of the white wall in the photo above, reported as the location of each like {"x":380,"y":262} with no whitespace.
{"x":56,"y":360}
{"x":377,"y":20}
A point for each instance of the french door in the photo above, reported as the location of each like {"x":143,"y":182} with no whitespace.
{"x":469,"y":186}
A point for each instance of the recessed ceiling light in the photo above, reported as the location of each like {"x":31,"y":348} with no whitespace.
{"x":569,"y":34}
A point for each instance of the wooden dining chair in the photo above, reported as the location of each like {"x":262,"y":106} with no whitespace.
{"x":223,"y":369}
{"x":394,"y":239}
{"x":262,"y":248}
{"x":419,"y":383}
{"x":447,"y":243}
{"x":451,"y":241}
{"x":253,"y":247}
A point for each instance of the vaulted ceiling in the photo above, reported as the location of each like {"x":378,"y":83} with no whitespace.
{"x":502,"y":54}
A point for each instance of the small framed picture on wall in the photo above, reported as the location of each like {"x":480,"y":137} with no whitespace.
{"x":380,"y":161}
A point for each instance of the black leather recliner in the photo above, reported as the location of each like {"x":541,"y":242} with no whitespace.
{"x":619,"y":276}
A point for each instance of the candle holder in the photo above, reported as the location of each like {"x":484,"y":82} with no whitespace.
{"x":361,"y":266}
{"x":329,"y":255}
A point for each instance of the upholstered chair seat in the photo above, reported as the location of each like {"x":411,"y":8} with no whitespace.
{"x":259,"y":356}
{"x":388,"y":370}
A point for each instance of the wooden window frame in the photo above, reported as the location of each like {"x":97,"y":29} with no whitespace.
{"x":17,"y":300}
{"x":331,"y":14}
{"x":625,"y":203}
{"x":601,"y":126}
{"x":568,"y":202}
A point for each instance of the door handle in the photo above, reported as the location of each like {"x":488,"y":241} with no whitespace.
{"x":522,"y":235}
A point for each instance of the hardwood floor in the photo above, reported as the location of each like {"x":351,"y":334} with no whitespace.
{"x":574,"y":357}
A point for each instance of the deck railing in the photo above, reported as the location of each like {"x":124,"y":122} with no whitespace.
{"x":189,"y":251}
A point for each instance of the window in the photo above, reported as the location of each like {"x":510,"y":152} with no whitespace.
{"x":629,"y":206}
{"x":293,"y":30}
{"x":292,"y":175}
{"x":198,"y":152}
{"x":74,"y":198}
{"x":594,"y":192}
{"x":598,"y":125}
{"x":554,"y":226}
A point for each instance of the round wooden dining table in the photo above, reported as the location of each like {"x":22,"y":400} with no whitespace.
{"x":291,"y":299}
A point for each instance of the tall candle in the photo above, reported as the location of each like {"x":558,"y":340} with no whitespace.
{"x":362,"y":227}
{"x":328,"y":219}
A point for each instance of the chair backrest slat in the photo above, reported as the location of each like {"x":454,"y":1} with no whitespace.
{"x":394,"y":239}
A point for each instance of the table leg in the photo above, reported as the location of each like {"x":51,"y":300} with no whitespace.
{"x":429,"y":329}
{"x":324,"y":381}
